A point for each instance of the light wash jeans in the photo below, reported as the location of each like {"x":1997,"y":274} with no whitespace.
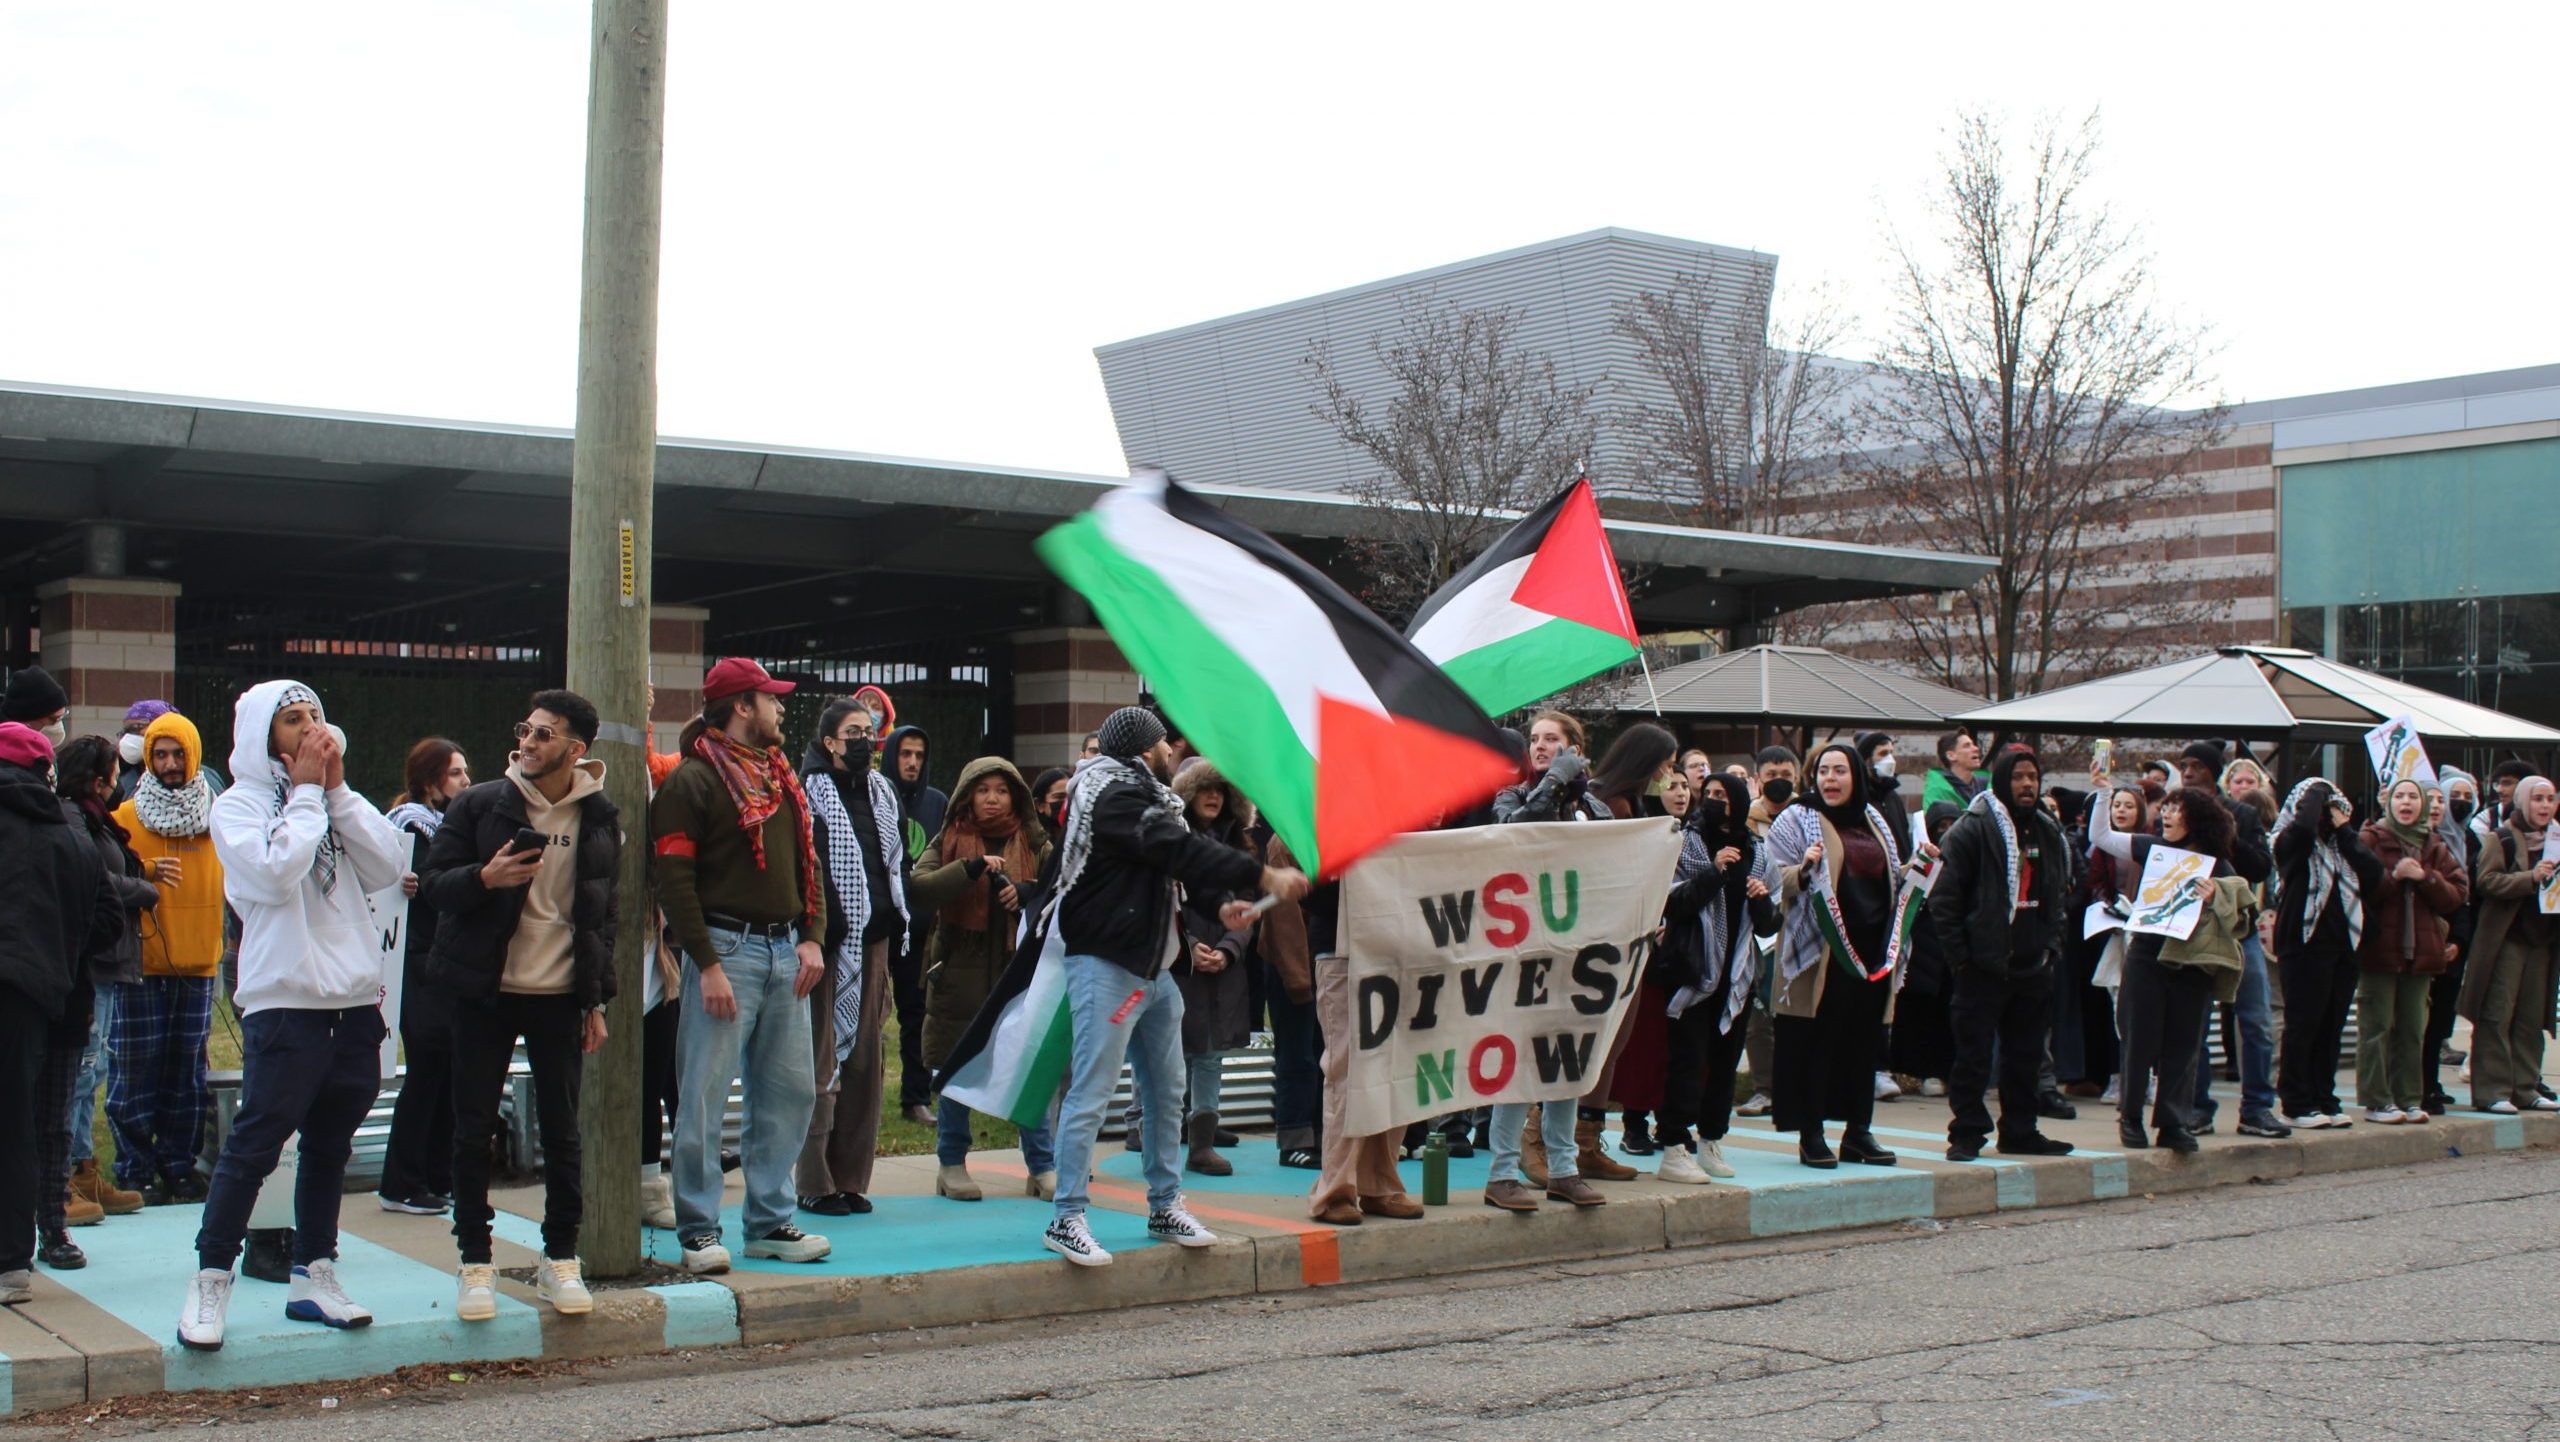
{"x":94,"y":1064}
{"x":1207,"y":1072}
{"x":951,"y":1139}
{"x":769,"y":1039}
{"x":2257,"y":1041}
{"x":1555,"y":1129}
{"x":1117,"y":1017}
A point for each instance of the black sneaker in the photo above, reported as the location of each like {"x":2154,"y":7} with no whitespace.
{"x":1307,"y":1159}
{"x":833,"y":1204}
{"x":2035,"y":1144}
{"x":1964,"y":1151}
{"x":2052,"y":1106}
{"x":416,"y":1204}
{"x":189,"y":1188}
{"x":2263,"y":1126}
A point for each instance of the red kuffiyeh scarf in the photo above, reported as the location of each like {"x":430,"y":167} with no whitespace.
{"x":758,"y":778}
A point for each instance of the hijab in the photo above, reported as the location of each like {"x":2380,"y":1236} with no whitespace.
{"x":2413,"y":836}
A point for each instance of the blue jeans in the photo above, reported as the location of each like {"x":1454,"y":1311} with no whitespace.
{"x":94,"y":1065}
{"x":769,"y":1039}
{"x":1117,"y":1017}
{"x":951,"y":1139}
{"x":2257,"y":1041}
{"x":1555,"y":1130}
{"x":312,"y":1072}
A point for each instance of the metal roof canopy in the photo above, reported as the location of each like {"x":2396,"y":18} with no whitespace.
{"x":2256,"y":693}
{"x":1802,"y":685}
{"x":190,"y":467}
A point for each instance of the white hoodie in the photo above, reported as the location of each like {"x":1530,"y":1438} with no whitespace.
{"x":301,"y":946}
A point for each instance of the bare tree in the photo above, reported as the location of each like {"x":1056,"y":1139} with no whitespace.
{"x":2021,"y":415}
{"x":1464,"y":425}
{"x":1750,"y":401}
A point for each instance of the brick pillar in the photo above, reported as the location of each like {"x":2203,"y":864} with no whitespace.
{"x":1066,"y":680}
{"x":111,"y":642}
{"x":676,"y":665}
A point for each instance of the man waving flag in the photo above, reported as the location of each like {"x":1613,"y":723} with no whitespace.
{"x":1337,"y":727}
{"x":1541,"y":609}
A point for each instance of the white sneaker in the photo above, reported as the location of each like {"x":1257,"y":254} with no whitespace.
{"x":1932,"y":1086}
{"x":2415,"y":1116}
{"x":1711,"y":1159}
{"x":208,"y":1307}
{"x":315,"y":1296}
{"x":558,"y":1282}
{"x":475,"y":1293}
{"x":1070,"y":1238}
{"x":1886,"y":1087}
{"x":787,"y":1243}
{"x":1758,"y":1106}
{"x":1175,"y":1224}
{"x":658,"y":1202}
{"x":2385,"y":1116}
{"x":703,"y":1254}
{"x":1678,"y":1166}
{"x":2502,"y":1108}
{"x":2544,"y":1104}
{"x":2114,"y":1092}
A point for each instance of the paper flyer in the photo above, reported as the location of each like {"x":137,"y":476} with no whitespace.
{"x":2167,"y":904}
{"x":2398,"y":754}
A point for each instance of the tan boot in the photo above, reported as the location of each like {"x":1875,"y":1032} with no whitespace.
{"x":79,"y":1211}
{"x":958,"y":1185}
{"x":1533,"y":1148}
{"x":89,"y":1183}
{"x":1593,"y":1159}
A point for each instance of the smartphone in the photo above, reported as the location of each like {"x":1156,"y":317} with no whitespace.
{"x":2102,"y":758}
{"x":527,"y":839}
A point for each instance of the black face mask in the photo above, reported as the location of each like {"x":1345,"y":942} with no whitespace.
{"x":1711,"y":813}
{"x":857,"y":754}
{"x":1779,"y":791}
{"x":2461,"y":810}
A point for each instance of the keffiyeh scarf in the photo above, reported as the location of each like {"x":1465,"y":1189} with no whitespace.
{"x":324,"y":864}
{"x":2328,"y":872}
{"x":758,"y":779}
{"x":853,"y":887}
{"x":184,"y":811}
{"x":1098,"y":776}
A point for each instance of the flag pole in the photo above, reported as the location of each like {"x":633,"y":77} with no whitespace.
{"x":1648,"y":680}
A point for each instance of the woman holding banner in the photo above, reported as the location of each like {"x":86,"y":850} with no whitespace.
{"x":1710,"y":961}
{"x":1838,"y":862}
{"x":2167,"y":983}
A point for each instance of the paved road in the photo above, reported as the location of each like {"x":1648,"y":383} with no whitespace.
{"x":2413,"y":1303}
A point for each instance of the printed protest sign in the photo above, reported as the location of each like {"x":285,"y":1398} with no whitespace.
{"x":1495,"y":964}
{"x":390,"y":908}
{"x":2167,"y":904}
{"x":2549,"y":897}
{"x":2398,"y":754}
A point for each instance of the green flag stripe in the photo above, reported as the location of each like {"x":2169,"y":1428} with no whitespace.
{"x":1535,"y":664}
{"x":1220,"y":701}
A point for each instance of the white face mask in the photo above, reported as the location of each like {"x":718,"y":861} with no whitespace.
{"x":129,"y":746}
{"x":1884,"y":768}
{"x":59,"y":734}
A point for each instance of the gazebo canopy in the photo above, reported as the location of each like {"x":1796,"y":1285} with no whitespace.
{"x":2253,"y":693}
{"x":1798,"y":685}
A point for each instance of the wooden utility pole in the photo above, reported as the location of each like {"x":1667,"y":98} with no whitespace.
{"x":610,"y":479}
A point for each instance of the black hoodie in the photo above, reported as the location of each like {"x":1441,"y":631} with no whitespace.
{"x":925,"y":803}
{"x":1969,"y":904}
{"x":58,"y":906}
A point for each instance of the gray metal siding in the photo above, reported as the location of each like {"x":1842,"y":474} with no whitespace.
{"x":1230,"y":402}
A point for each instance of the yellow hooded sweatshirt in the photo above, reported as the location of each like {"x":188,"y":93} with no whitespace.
{"x":182,"y":936}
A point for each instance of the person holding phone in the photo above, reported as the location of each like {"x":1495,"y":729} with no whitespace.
{"x":521,"y":876}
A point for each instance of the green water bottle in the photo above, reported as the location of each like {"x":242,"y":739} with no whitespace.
{"x":1435,"y":1170}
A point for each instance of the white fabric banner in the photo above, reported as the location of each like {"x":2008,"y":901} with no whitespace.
{"x":1495,"y":964}
{"x":390,"y":908}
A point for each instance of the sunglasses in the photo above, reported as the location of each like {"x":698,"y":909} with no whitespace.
{"x":527,"y":731}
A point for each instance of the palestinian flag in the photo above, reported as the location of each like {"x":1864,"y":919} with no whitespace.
{"x":1336,"y":726}
{"x":1541,"y":609}
{"x":1012,"y":1061}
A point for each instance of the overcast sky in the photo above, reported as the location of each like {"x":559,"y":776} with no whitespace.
{"x":903,"y":229}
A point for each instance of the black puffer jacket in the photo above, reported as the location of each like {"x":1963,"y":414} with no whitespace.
{"x":475,"y":924}
{"x":1122,"y":908}
{"x":1969,"y":903}
{"x":116,"y":959}
{"x":58,"y":901}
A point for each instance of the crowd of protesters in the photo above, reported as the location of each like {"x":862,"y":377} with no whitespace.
{"x":1826,"y":944}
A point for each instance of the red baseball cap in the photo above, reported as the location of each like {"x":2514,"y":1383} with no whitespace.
{"x":736,"y":675}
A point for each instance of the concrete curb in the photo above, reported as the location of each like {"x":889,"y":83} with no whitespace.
{"x":64,"y":1350}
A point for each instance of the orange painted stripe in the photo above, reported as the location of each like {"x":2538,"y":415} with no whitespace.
{"x":1319,"y":1254}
